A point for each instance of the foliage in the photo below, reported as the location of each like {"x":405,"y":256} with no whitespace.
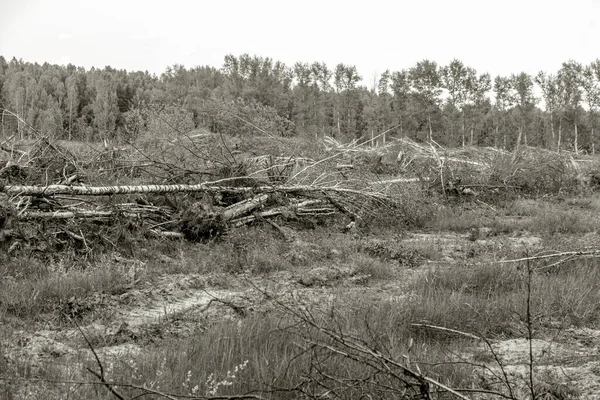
{"x":450,"y":104}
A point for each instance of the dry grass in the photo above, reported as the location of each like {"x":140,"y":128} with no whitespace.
{"x":490,"y":299}
{"x":271,"y":353}
{"x":52,"y":287}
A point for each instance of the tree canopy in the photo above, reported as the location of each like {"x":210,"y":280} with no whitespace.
{"x":452,"y":104}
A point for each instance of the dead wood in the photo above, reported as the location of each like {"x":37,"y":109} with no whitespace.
{"x":207,"y":187}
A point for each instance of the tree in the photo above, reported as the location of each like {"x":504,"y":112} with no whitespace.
{"x":457,"y":79}
{"x":3,"y":69}
{"x":425,"y":81}
{"x":72,"y":102}
{"x":522,"y":86}
{"x":302,"y":94}
{"x":549,"y":86}
{"x":385,"y":99}
{"x":345,"y":79}
{"x":503,"y":102}
{"x":321,"y":85}
{"x":400,"y":89}
{"x":476,"y":101}
{"x":105,"y":105}
{"x":591,"y":87}
{"x":570,"y":77}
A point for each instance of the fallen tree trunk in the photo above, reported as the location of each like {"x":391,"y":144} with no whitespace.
{"x":244,"y":206}
{"x":68,"y":214}
{"x":208,"y":187}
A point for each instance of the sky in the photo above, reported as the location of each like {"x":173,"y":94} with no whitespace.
{"x":499,"y":37}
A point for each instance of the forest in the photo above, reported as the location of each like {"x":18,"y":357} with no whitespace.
{"x":452,"y":104}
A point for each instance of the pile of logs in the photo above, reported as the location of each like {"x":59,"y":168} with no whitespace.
{"x":209,"y":210}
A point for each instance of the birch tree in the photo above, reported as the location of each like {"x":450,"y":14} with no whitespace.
{"x":570,"y":77}
{"x":522,"y":87}
{"x":549,"y":85}
{"x":591,"y":87}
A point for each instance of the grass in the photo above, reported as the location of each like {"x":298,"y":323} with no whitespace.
{"x":56,"y":288}
{"x":273,"y":348}
{"x":272,"y":353}
{"x":490,"y":299}
{"x":539,"y":217}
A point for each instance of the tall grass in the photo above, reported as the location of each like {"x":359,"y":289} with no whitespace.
{"x":53,"y":287}
{"x":490,"y":299}
{"x":282,"y":355}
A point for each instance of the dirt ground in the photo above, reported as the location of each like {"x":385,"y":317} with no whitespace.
{"x":175,"y":305}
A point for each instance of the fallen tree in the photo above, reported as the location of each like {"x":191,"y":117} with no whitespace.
{"x":219,"y":209}
{"x":197,"y":193}
{"x":207,"y":187}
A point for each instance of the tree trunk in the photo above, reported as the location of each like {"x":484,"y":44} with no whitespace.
{"x":315,"y":116}
{"x":472,"y":133}
{"x":430,"y":130}
{"x":19,"y":123}
{"x":576,"y":144}
{"x":348,"y":130}
{"x":552,"y":125}
{"x":591,"y":114}
{"x":70,"y":118}
{"x":559,"y":134}
{"x":519,"y":138}
{"x":206,"y":187}
{"x":496,"y":136}
{"x":463,"y":130}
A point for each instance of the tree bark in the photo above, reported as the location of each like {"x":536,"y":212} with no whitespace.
{"x":70,"y":118}
{"x":430,"y":129}
{"x":552,"y":125}
{"x":206,"y":187}
{"x":472,"y":133}
{"x":559,"y":134}
{"x":463,"y":130}
{"x":519,"y":138}
{"x":496,"y":136}
{"x":576,"y":144}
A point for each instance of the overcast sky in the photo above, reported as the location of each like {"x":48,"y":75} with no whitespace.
{"x":500,"y":37}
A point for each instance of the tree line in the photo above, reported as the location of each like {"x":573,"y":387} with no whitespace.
{"x":452,"y":104}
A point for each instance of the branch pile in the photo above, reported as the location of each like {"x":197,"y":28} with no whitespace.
{"x":488,"y":170}
{"x":47,"y":202}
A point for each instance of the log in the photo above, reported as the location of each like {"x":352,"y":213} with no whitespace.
{"x":207,"y":187}
{"x":245,"y":206}
{"x":72,"y":214}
